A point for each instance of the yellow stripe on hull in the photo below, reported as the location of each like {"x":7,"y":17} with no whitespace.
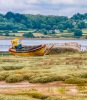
{"x":39,"y":52}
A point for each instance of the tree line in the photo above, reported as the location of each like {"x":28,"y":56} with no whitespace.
{"x":16,"y":21}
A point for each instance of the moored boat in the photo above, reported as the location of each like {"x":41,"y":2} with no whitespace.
{"x":29,"y":51}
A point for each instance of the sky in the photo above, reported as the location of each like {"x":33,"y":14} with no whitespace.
{"x":44,"y":7}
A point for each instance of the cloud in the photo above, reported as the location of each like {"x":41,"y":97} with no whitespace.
{"x":62,"y":1}
{"x":45,"y":7}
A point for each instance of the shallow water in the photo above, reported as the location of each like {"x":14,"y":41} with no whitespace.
{"x":5,"y":44}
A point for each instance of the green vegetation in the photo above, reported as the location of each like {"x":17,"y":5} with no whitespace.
{"x":20,"y":97}
{"x":84,"y":75}
{"x":10,"y":67}
{"x":28,"y":35}
{"x":66,"y":98}
{"x":66,"y":72}
{"x":14,"y":78}
{"x":76,"y":80}
{"x":69,"y":69}
{"x":12,"y":24}
{"x":78,"y":33}
{"x":46,"y":78}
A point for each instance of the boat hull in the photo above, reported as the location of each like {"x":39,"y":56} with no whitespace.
{"x":39,"y":51}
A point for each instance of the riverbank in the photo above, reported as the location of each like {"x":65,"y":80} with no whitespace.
{"x":22,"y":38}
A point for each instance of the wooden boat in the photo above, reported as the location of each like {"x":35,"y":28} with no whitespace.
{"x":29,"y":51}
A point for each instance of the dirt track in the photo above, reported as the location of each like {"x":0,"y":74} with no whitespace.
{"x":30,"y":85}
{"x":12,"y":88}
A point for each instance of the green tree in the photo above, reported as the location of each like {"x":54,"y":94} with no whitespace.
{"x":15,"y":21}
{"x":69,"y":25}
{"x":9,"y":15}
{"x":44,"y":31}
{"x":28,"y":35}
{"x":77,"y":33}
{"x":81,"y":25}
{"x":78,"y":16}
{"x":6,"y":33}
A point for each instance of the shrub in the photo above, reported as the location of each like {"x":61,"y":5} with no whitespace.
{"x":45,"y":79}
{"x":84,"y":75}
{"x":54,"y":98}
{"x":37,"y":95}
{"x":3,"y":75}
{"x":28,"y":35}
{"x":27,"y":76}
{"x":75,"y":80}
{"x":77,"y":33}
{"x":14,"y":78}
{"x":2,"y":78}
{"x":12,"y":67}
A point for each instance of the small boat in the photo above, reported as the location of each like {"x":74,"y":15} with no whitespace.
{"x":39,"y":50}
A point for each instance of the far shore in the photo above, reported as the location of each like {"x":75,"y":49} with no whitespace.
{"x":22,"y":38}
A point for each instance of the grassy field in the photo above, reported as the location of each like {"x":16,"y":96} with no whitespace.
{"x":63,"y":35}
{"x":84,"y":31}
{"x":67,"y":72}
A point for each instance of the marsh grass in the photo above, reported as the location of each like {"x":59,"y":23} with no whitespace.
{"x":4,"y":75}
{"x":38,"y":95}
{"x":62,"y":90}
{"x":16,"y":97}
{"x":76,"y":80}
{"x":11,"y":67}
{"x":82,"y":89}
{"x":83,"y":75}
{"x":30,"y":93}
{"x":33,"y":94}
{"x":59,"y":67}
{"x":45,"y":79}
{"x":14,"y":78}
{"x":67,"y":98}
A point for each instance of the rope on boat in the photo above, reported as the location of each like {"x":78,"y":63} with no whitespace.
{"x":49,"y":49}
